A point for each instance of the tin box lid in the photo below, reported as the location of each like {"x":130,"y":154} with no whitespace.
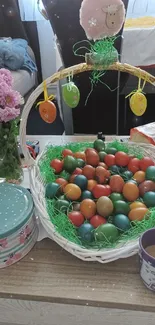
{"x":16,"y":207}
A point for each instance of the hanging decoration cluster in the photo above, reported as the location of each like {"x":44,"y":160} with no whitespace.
{"x":101,"y":20}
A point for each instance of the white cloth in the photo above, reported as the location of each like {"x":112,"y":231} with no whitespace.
{"x":138,"y":46}
{"x":29,"y":10}
{"x":140,"y":8}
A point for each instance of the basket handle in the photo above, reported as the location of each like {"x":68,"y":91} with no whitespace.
{"x":82,"y":67}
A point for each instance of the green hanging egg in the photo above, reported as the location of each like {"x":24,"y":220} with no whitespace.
{"x":71,"y":94}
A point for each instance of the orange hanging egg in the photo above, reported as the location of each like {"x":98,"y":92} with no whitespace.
{"x":48,"y":111}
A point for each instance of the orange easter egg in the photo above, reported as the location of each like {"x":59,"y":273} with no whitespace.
{"x":48,"y":111}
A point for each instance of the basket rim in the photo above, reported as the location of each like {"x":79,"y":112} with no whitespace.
{"x":121,"y":247}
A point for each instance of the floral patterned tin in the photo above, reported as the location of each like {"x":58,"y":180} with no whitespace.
{"x":18,"y":228}
{"x":147,"y":262}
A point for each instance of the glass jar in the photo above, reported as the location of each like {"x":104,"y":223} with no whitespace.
{"x":10,"y":164}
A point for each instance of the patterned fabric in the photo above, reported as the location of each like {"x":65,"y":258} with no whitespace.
{"x":14,"y":55}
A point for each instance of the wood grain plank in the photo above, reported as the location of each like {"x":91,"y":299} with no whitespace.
{"x":38,"y":313}
{"x":51,"y":274}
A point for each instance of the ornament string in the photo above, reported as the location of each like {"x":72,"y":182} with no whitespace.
{"x":70,"y":81}
{"x":140,"y":89}
{"x":46,"y":97}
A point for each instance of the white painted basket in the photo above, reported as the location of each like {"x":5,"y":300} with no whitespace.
{"x":38,"y":187}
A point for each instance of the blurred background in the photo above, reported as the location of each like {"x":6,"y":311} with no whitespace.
{"x":51,"y":28}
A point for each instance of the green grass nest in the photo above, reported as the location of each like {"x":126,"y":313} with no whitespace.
{"x":60,"y":220}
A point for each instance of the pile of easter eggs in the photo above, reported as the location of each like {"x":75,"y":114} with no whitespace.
{"x":105,"y":190}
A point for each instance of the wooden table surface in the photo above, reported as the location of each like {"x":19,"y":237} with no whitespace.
{"x":51,"y":274}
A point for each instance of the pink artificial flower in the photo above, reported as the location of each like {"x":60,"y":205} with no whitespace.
{"x":6,"y":76}
{"x":3,"y":91}
{"x":7,"y":114}
{"x":12,"y":98}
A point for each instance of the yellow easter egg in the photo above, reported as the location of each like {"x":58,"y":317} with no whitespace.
{"x":138,"y":103}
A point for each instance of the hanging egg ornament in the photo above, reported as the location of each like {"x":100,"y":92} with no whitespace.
{"x":48,"y":111}
{"x":71,"y":94}
{"x":138,"y":103}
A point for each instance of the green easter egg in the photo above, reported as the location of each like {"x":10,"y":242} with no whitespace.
{"x":150,"y":173}
{"x":122,"y":222}
{"x":111,"y":151}
{"x":106,"y":232}
{"x":149,"y":199}
{"x":62,"y":205}
{"x":99,"y":145}
{"x":86,"y":195}
{"x":70,"y":164}
{"x":71,"y":94}
{"x":80,"y":163}
{"x":102,"y":155}
{"x":121,"y":207}
{"x":52,"y":190}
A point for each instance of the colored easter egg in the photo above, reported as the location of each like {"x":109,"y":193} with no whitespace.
{"x":121,"y":207}
{"x":48,"y":111}
{"x":86,"y":232}
{"x":150,"y":173}
{"x":80,"y":163}
{"x":146,"y":186}
{"x":111,"y":151}
{"x":70,"y":164}
{"x":52,"y":190}
{"x":76,"y":206}
{"x":106,"y":232}
{"x":62,"y":182}
{"x":71,"y":94}
{"x":116,"y":183}
{"x":138,"y":214}
{"x":91,"y":184}
{"x":92,"y":158}
{"x":137,"y":204}
{"x":131,"y":191}
{"x":62,"y":205}
{"x":89,"y":172}
{"x":97,"y":221}
{"x":139,"y":176}
{"x":149,"y":199}
{"x":102,"y":155}
{"x":122,"y":222}
{"x":81,"y":181}
{"x":57,"y":165}
{"x":72,"y":192}
{"x":86,"y":195}
{"x":99,"y":145}
{"x":76,"y":218}
{"x":116,"y":197}
{"x":145,"y":163}
{"x":88,"y":208}
{"x":104,"y":206}
{"x":138,"y":103}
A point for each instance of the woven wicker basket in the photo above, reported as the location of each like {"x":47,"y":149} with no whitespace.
{"x":38,"y":187}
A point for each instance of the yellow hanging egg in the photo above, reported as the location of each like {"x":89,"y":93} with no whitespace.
{"x":138,"y":103}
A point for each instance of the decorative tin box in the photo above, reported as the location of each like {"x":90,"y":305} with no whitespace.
{"x":18,"y":228}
